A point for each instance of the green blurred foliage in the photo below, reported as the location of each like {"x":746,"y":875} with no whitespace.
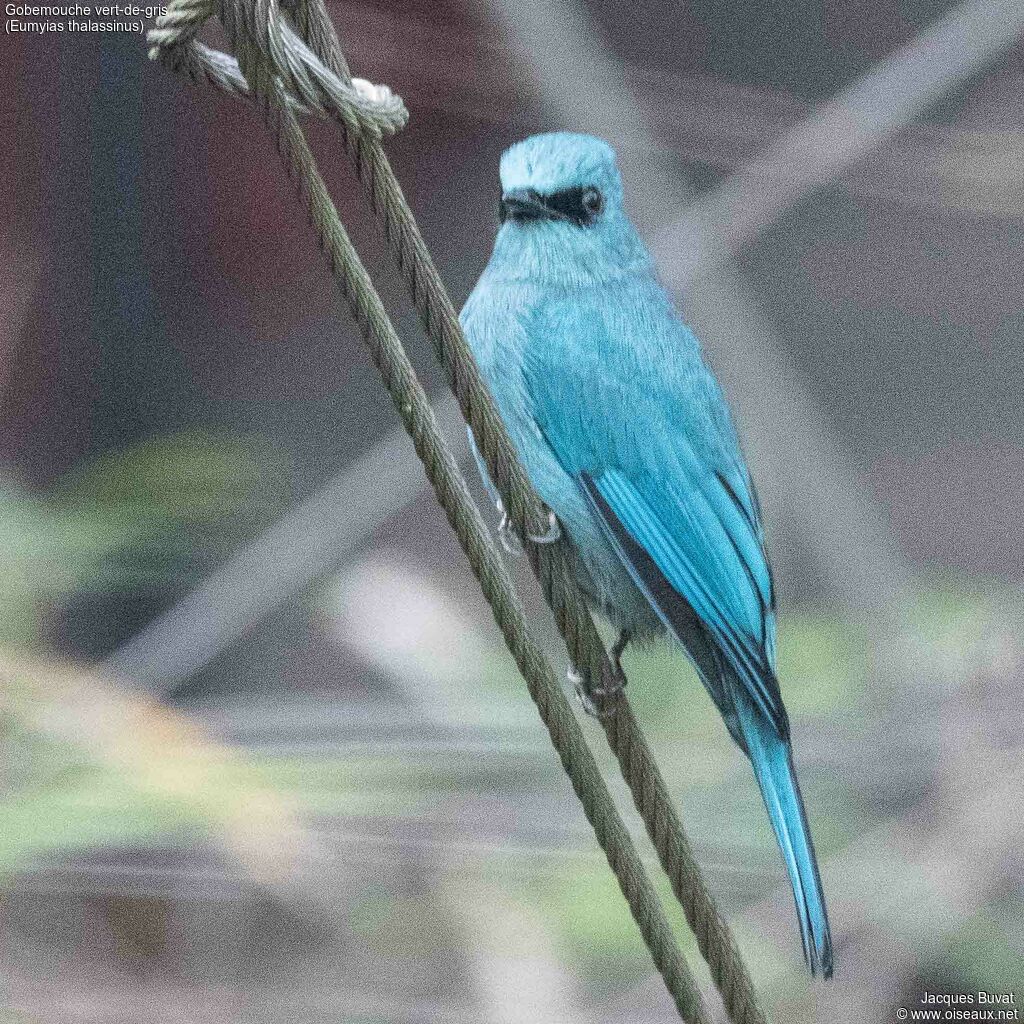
{"x":59,"y":799}
{"x":154,"y":515}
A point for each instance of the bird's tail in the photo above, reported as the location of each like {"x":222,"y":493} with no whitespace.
{"x":772,"y":759}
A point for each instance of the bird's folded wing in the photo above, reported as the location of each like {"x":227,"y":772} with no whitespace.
{"x":702,"y":544}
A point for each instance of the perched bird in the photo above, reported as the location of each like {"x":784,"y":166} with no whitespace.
{"x":625,"y":434}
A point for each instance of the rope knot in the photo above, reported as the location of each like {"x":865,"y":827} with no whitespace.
{"x":306,"y":67}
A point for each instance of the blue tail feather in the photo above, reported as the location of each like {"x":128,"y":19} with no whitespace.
{"x":773,"y":766}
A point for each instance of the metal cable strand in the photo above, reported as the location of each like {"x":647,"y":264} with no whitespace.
{"x":253,"y":43}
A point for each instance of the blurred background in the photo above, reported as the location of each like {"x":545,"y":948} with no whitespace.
{"x":341,"y":804}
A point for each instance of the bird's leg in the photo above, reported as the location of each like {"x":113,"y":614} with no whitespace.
{"x":618,"y":647}
{"x":551,"y":534}
{"x":509,"y":541}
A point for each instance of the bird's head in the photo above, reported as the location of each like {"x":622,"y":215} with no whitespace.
{"x":561,"y":209}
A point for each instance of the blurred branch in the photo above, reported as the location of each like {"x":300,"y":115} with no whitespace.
{"x":836,"y":135}
{"x":305,"y":544}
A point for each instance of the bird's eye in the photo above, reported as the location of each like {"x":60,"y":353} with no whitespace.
{"x":592,"y":201}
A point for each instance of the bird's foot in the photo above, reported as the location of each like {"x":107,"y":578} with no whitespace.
{"x":576,"y":678}
{"x":507,"y":535}
{"x":594,"y":699}
{"x":551,"y":534}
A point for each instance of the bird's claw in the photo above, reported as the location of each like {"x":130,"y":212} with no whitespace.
{"x":551,"y":534}
{"x":507,"y":535}
{"x":587,"y":694}
{"x":510,"y":540}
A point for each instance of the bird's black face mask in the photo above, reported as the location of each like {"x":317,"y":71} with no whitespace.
{"x":580,"y":206}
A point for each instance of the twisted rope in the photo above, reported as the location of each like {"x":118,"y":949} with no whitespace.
{"x":309,"y":86}
{"x":287,"y":78}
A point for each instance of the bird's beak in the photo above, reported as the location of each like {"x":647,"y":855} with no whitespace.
{"x":522,"y":204}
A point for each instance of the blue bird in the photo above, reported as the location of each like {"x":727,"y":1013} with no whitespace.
{"x":626,"y":436}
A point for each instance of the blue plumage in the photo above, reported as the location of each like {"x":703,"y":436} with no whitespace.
{"x":626,"y":436}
